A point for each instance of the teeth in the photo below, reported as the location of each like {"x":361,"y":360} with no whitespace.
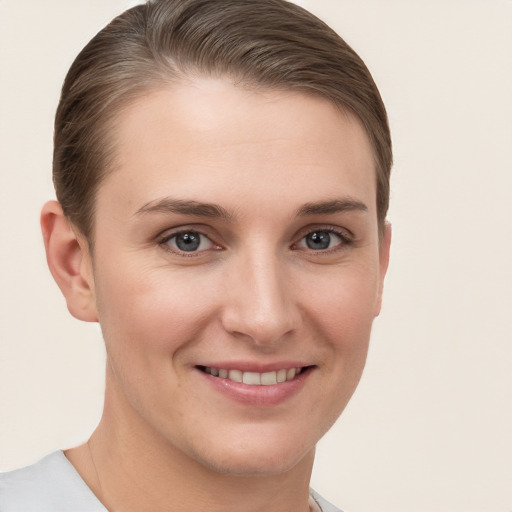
{"x":255,"y":378}
{"x":269,"y":378}
{"x":236,"y":375}
{"x":252,"y":378}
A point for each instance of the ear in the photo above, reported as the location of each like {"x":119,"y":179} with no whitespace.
{"x":384,"y":248}
{"x":69,"y":261}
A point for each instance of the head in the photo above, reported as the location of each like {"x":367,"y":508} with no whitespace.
{"x":223,"y":170}
{"x":269,"y":44}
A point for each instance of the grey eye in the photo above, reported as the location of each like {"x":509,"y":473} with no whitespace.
{"x":320,"y":240}
{"x":189,"y":241}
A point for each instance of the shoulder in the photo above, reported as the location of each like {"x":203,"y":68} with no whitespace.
{"x":50,"y":485}
{"x":324,"y":505}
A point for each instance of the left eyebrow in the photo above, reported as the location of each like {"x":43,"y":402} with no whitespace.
{"x":331,"y":206}
{"x":185,"y":207}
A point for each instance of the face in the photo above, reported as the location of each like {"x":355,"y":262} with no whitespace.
{"x":237,"y":270}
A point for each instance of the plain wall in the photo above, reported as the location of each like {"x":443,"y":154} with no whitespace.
{"x":430,"y":427}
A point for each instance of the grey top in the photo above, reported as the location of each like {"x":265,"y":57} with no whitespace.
{"x":53,"y":485}
{"x":50,"y":485}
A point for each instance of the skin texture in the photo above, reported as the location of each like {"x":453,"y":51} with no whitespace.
{"x":254,"y":293}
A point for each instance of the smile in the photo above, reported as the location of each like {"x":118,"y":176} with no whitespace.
{"x":255,"y":378}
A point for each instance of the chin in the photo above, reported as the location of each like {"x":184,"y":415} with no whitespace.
{"x":245,"y":466}
{"x":261,"y":458}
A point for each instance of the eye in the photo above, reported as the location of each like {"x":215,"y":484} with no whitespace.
{"x":321,"y":240}
{"x":188,"y":241}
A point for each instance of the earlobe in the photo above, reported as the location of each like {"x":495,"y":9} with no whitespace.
{"x":69,"y":262}
{"x":384,"y":248}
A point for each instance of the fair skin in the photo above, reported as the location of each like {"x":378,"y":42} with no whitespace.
{"x":237,"y":232}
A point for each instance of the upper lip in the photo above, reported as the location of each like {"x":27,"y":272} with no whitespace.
{"x":251,"y":366}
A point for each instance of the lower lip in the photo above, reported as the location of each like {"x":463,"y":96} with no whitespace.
{"x":260,"y":396}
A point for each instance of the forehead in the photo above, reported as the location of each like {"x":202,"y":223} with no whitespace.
{"x":209,"y":137}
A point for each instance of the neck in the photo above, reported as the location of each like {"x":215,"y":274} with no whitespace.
{"x":131,"y":467}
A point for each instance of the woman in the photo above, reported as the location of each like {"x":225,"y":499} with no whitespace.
{"x":222,"y":176}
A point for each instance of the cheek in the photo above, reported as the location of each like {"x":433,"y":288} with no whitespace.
{"x":153,"y":312}
{"x":343,"y":305}
{"x":147,"y":319}
{"x":341,"y":315}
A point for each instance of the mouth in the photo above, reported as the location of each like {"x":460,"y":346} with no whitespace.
{"x":256,"y":378}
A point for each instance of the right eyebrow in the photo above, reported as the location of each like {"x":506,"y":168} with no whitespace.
{"x":331,"y":207}
{"x":185,"y":207}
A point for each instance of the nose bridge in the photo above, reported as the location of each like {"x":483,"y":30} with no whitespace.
{"x":260,"y":301}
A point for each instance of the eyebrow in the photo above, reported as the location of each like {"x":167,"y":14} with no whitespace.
{"x":213,"y":211}
{"x":331,"y":206}
{"x":185,"y":207}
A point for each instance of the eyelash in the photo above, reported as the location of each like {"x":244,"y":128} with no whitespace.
{"x":165,"y":239}
{"x":346,"y":239}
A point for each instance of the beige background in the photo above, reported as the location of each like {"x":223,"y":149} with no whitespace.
{"x":430,"y":428}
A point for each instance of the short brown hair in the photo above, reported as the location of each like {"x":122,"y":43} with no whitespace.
{"x":265,"y":43}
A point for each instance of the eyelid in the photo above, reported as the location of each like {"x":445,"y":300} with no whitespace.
{"x":347,"y":237}
{"x":164,"y":237}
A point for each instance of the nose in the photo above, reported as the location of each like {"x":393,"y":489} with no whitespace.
{"x":259,"y":302}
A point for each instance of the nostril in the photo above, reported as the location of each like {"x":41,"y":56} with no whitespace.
{"x":260,"y":329}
